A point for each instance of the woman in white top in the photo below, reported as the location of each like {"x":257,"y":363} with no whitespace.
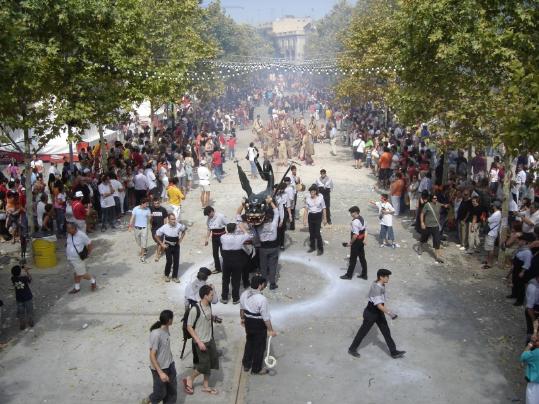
{"x":315,"y":208}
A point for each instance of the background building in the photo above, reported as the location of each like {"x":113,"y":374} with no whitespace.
{"x":289,"y":35}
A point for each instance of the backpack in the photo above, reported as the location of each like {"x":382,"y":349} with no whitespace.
{"x":186,"y":334}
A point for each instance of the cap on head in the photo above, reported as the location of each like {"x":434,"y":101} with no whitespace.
{"x":79,"y":194}
{"x":383,"y":272}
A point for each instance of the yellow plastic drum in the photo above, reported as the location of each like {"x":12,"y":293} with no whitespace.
{"x":44,"y":253}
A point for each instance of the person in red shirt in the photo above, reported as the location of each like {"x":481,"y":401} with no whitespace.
{"x":137,"y":158}
{"x":385,"y":167}
{"x":217,"y":163}
{"x":79,"y":211}
{"x":231,"y":143}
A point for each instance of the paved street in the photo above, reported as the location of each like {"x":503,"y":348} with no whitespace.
{"x":462,"y":339}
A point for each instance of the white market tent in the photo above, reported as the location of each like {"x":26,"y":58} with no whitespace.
{"x":59,"y":145}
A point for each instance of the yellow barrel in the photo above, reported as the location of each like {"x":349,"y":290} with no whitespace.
{"x":44,"y":253}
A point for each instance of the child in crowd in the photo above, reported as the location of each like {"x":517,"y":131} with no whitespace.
{"x":23,"y":295}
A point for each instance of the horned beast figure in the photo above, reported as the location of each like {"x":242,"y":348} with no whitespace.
{"x":255,"y":206}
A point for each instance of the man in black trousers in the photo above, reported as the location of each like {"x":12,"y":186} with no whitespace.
{"x":358,"y":238}
{"x":375,"y":313}
{"x":255,"y":317}
{"x":234,"y":261}
{"x":325,"y":186}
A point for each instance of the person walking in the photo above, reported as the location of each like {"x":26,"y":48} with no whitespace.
{"x":375,"y":313}
{"x":358,"y":238}
{"x":79,"y":211}
{"x":234,"y":261}
{"x":140,"y":216}
{"x":175,"y":197}
{"x":325,"y":186}
{"x":170,"y":236}
{"x":23,"y":296}
{"x":204,"y":182}
{"x":430,"y":226}
{"x":200,"y":326}
{"x":333,"y":139}
{"x":78,"y":248}
{"x":252,"y":155}
{"x":256,"y":318}
{"x":162,"y":362}
{"x":158,"y":219}
{"x":315,"y":211}
{"x":269,"y":244}
{"x":216,"y":228}
{"x":385,"y":214}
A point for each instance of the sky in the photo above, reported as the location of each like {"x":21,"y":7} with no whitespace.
{"x":258,"y":11}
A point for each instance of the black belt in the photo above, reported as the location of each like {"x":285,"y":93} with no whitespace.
{"x":139,"y":228}
{"x":269,"y":244}
{"x":218,"y":232}
{"x":256,"y":316}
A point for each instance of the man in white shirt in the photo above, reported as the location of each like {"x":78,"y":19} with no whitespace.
{"x":204,"y":182}
{"x":106,"y":192}
{"x":252,"y":155}
{"x":494,"y":223}
{"x":140,"y":182}
{"x":325,"y":186}
{"x":385,"y":214}
{"x":255,"y":317}
{"x":40,"y":210}
{"x":37,"y":164}
{"x":117,"y":195}
{"x":76,"y":243}
{"x":333,"y":139}
{"x":530,"y":219}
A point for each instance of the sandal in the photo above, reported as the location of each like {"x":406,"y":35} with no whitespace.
{"x":186,"y":388}
{"x":210,"y":391}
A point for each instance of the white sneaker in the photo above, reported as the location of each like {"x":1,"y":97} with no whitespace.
{"x":458,"y":245}
{"x":462,"y":248}
{"x":382,"y":245}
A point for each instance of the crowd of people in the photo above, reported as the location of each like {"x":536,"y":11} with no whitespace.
{"x":137,"y":175}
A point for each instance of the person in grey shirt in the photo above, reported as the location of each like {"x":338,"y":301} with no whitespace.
{"x":161,"y":362}
{"x":375,"y":313}
{"x":269,"y":244}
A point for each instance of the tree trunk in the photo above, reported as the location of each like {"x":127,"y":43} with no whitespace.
{"x":151,"y":122}
{"x":445,"y":171}
{"x":469,"y":165}
{"x":28,"y":181}
{"x":504,"y":227}
{"x":70,"y":150}
{"x":102,"y":147}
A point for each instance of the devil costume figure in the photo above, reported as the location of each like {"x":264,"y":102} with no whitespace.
{"x":262,"y":212}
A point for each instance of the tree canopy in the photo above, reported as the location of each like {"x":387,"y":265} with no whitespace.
{"x":470,"y":65}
